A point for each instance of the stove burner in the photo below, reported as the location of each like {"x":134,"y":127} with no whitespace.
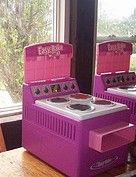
{"x":80,"y":107}
{"x":101,"y":102}
{"x":80,"y":96}
{"x":58,"y":100}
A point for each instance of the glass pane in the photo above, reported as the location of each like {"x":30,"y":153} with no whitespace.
{"x":116,"y":17}
{"x":116,"y":20}
{"x":22,"y":22}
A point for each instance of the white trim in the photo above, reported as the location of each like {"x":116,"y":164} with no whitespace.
{"x":54,"y":19}
{"x":109,"y":38}
{"x":62,"y":16}
{"x":11,"y":110}
{"x":67,"y":20}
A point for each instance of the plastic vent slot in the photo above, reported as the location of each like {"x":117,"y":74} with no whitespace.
{"x":56,"y":125}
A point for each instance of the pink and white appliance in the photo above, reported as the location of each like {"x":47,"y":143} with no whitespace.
{"x":113,"y":80}
{"x":76,"y":133}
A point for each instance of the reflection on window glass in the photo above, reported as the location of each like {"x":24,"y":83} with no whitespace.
{"x":116,"y":19}
{"x":22,"y":22}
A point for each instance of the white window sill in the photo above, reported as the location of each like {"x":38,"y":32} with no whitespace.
{"x":10,"y":111}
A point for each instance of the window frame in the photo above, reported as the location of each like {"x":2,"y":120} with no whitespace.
{"x":61,"y":18}
{"x":110,"y":38}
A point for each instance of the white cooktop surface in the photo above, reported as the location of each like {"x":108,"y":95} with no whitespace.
{"x":125,"y":92}
{"x":94,"y":111}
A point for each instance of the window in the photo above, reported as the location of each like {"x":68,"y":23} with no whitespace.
{"x":117,"y":20}
{"x":23,"y":23}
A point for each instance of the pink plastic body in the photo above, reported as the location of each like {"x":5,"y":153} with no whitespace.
{"x":113,"y":56}
{"x":117,"y":64}
{"x":104,"y":81}
{"x":111,"y":136}
{"x":47,"y":61}
{"x":59,"y":140}
{"x":66,"y":144}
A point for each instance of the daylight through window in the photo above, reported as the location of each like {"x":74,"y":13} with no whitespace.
{"x":21,"y":23}
{"x":117,"y":20}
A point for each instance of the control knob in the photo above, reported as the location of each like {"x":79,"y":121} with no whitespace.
{"x":73,"y":86}
{"x":65,"y":87}
{"x":46,"y":90}
{"x":108,"y":81}
{"x":114,"y":80}
{"x":133,"y":78}
{"x":128,"y":79}
{"x":122,"y":78}
{"x":118,"y":78}
{"x":37,"y":92}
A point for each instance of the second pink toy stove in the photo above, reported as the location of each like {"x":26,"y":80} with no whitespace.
{"x":113,"y":80}
{"x":76,"y":133}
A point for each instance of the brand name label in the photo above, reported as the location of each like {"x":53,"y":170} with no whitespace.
{"x":102,"y":164}
{"x":53,"y":50}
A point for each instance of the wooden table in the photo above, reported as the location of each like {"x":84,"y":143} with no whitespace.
{"x":20,"y":163}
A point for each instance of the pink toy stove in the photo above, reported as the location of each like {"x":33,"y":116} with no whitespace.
{"x":76,"y":133}
{"x":113,"y":80}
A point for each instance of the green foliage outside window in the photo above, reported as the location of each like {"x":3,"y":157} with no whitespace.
{"x":22,"y":22}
